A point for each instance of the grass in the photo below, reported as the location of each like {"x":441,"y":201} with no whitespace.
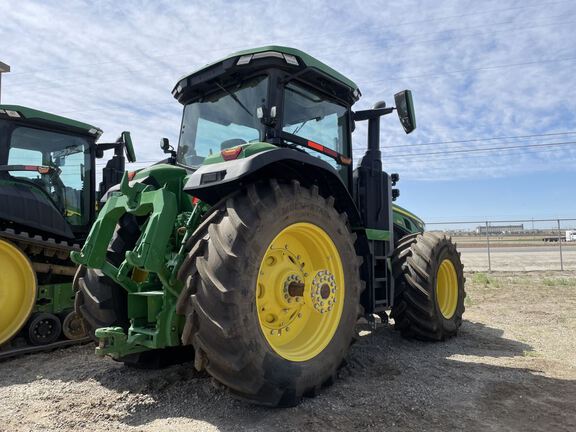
{"x":486,"y":280}
{"x":559,"y":282}
{"x":480,"y":278}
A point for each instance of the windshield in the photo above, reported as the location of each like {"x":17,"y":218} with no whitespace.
{"x":222,"y":120}
{"x":68,"y":156}
{"x":311,"y":116}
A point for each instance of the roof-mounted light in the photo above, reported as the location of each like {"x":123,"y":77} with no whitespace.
{"x":288,"y":58}
{"x":245,"y":59}
{"x":14,"y":114}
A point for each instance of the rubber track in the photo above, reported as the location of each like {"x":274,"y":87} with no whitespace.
{"x":213,"y":298}
{"x":15,"y":352}
{"x":37,"y":244}
{"x":48,"y":247}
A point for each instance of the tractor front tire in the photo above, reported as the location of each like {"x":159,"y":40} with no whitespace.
{"x":430,"y":287}
{"x":271,"y":296}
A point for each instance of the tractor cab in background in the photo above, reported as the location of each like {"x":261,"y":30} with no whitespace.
{"x":48,"y":201}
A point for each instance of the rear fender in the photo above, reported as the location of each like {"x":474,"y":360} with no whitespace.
{"x":211,"y":183}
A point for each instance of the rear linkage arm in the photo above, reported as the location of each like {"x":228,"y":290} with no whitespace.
{"x":154,"y":323}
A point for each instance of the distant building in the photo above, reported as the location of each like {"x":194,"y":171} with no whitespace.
{"x":500,"y":229}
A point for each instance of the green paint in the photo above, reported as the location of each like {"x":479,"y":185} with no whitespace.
{"x":248,"y":150}
{"x":376,"y":234}
{"x":32,"y":115}
{"x":307,"y":59}
{"x":55,"y":298}
{"x":257,"y":147}
{"x":159,"y":251}
{"x":407,"y":220}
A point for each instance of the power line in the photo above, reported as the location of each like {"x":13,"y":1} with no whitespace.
{"x":480,"y":139}
{"x":440,"y":155}
{"x":481,"y":150}
{"x":462,"y":157}
{"x":478,"y":69}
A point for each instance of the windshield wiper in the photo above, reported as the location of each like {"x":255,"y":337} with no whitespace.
{"x":299,"y":127}
{"x":233,"y":96}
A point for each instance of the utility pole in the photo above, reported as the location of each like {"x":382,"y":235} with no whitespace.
{"x":3,"y":69}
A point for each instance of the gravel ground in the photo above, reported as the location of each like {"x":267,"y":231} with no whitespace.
{"x":513,"y":367}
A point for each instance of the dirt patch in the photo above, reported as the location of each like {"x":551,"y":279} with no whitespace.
{"x":513,"y":367}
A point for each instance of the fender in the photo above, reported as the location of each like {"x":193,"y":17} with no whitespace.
{"x":212,"y":182}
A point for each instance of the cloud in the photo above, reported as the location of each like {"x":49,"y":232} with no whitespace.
{"x":476,"y":70}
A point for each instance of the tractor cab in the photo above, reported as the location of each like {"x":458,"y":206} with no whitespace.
{"x":47,"y":171}
{"x":274,"y":95}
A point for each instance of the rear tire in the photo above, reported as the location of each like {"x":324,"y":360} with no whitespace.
{"x":222,"y":288}
{"x":430,"y":285}
{"x":99,"y":300}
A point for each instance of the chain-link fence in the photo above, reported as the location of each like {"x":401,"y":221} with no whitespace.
{"x":514,"y":245}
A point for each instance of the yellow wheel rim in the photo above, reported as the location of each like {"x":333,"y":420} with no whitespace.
{"x":447,"y":288}
{"x":300,"y":292}
{"x":17,"y":290}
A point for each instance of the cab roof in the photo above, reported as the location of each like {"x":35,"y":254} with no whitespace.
{"x":284,"y":57}
{"x":41,"y":118}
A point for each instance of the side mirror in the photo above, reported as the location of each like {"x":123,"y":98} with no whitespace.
{"x":405,"y":108}
{"x":128,"y":147}
{"x":165,"y":145}
{"x":167,"y":148}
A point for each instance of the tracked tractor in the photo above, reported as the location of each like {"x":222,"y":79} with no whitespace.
{"x":259,"y":245}
{"x":47,"y":205}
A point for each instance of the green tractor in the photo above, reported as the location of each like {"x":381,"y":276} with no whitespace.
{"x":47,"y":206}
{"x":257,"y":244}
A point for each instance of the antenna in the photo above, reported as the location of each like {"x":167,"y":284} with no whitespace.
{"x":3,"y":69}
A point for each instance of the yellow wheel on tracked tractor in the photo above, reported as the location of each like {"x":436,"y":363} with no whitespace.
{"x":17,"y":290}
{"x":299,"y":307}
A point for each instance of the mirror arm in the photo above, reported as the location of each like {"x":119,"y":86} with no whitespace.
{"x":372,"y":113}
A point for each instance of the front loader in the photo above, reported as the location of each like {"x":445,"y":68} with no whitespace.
{"x":47,"y":206}
{"x":258,"y":245}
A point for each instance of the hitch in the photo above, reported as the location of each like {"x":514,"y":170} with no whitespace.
{"x":114,"y":342}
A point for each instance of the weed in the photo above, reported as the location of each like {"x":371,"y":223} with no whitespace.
{"x":558,"y":282}
{"x":481,"y":278}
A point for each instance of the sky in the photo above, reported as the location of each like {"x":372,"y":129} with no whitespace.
{"x":496,"y":75}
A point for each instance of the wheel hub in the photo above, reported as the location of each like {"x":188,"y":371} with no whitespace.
{"x":300,"y":278}
{"x":43,"y":329}
{"x":323,"y":292}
